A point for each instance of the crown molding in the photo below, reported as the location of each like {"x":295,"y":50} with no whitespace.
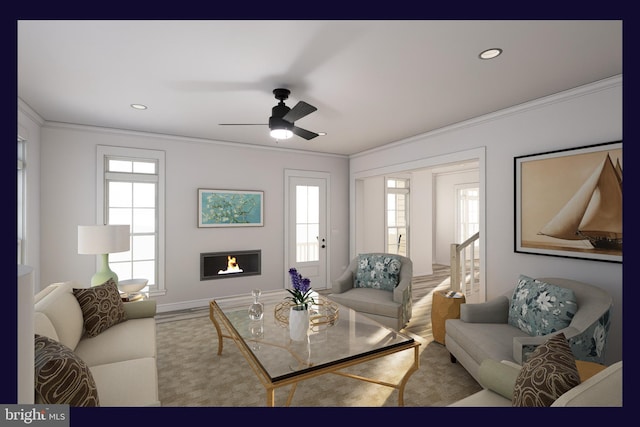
{"x":563,"y":96}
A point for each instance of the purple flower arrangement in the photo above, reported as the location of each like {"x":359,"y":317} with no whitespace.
{"x":301,"y":292}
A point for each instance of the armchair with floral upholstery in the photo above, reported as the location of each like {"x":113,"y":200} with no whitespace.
{"x":379,"y":286}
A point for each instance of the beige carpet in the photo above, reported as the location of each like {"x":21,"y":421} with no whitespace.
{"x":191,"y":374}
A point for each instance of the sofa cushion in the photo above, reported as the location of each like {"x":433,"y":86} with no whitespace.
{"x":128,"y":383}
{"x":101,"y":306}
{"x":133,"y":339}
{"x":378,"y":271}
{"x":540,"y":308}
{"x":369,"y":301}
{"x":499,"y":377}
{"x":482,"y":340}
{"x":42,"y":326}
{"x":63,"y":313}
{"x":550,"y":372}
{"x":61,"y":377}
{"x":485,"y":398}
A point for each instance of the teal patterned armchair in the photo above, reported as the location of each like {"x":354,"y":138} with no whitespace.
{"x":377,"y":285}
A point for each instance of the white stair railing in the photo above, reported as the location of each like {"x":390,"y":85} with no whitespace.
{"x":463,"y":277}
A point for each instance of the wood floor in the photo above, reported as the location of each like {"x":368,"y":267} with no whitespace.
{"x":422,"y":289}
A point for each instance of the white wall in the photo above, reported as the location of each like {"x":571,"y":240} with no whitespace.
{"x":421,"y":201}
{"x":373,"y":215}
{"x":68,"y":171}
{"x":587,"y":115}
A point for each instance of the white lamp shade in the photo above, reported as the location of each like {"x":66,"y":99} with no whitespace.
{"x":103,"y":239}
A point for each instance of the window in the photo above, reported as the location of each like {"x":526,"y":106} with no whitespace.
{"x":307,"y":223}
{"x":397,"y":211}
{"x":132,"y":187}
{"x":467,"y":212}
{"x":21,"y":198}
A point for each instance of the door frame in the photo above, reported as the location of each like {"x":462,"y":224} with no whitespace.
{"x":356,"y":180}
{"x":326,"y":176}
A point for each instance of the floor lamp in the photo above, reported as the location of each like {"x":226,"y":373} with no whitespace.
{"x":103,"y":240}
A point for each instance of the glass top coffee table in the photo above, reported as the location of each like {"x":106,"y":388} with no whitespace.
{"x":347,"y":338}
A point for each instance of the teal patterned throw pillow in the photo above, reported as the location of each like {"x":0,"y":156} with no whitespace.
{"x":378,"y":271}
{"x":539,"y":308}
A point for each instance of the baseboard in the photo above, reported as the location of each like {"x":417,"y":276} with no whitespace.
{"x":237,"y":300}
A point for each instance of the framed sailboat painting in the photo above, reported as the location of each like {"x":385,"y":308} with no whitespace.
{"x":569,"y":203}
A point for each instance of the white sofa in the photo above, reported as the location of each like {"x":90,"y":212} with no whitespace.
{"x":498,"y":380}
{"x":121,"y":359}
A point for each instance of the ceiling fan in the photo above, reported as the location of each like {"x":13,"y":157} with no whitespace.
{"x":281,"y":122}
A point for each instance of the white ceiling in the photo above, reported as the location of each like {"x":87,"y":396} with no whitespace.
{"x":373,"y":82}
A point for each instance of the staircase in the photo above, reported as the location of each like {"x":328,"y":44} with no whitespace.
{"x":465,"y":268}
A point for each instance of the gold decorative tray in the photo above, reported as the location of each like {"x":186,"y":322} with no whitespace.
{"x":324,"y":312}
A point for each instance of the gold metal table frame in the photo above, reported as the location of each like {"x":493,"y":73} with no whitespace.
{"x":219,"y":318}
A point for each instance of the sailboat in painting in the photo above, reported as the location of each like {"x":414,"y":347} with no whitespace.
{"x":594,"y":213}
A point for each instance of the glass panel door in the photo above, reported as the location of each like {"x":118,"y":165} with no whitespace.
{"x":306,"y":225}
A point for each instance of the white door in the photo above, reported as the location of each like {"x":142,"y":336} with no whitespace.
{"x":306,"y":225}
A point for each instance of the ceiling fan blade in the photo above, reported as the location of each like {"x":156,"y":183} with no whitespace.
{"x":242,"y":124}
{"x":299,"y":111}
{"x":303,"y":133}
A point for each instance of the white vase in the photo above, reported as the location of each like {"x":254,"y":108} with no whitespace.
{"x":298,"y":323}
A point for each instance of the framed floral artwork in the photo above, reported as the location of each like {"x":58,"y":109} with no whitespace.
{"x":230,"y":208}
{"x":568,"y":203}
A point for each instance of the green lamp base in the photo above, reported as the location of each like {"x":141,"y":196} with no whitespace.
{"x":104,"y":274}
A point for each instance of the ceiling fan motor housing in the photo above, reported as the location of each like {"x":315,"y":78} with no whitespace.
{"x":279,"y":123}
{"x":277,"y":114}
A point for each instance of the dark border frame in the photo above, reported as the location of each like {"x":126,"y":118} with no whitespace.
{"x":558,"y":181}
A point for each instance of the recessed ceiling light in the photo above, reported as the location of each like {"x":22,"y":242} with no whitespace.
{"x":139,"y":106}
{"x":490,"y":53}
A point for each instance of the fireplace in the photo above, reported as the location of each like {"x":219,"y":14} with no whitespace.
{"x":223,"y":265}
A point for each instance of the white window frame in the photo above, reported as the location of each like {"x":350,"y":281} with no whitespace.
{"x":103,"y":152}
{"x":406,"y":191}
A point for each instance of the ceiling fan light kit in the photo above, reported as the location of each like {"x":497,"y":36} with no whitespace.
{"x":281,"y":122}
{"x":280,"y":133}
